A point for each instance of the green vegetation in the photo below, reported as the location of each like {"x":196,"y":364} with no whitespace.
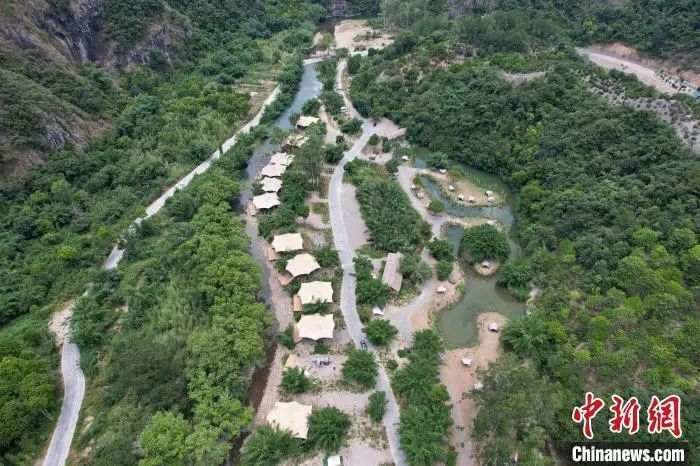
{"x":380,"y":332}
{"x":516,"y":276}
{"x":370,"y":290}
{"x":425,"y":415}
{"x":351,"y":126}
{"x":441,"y":250}
{"x":376,"y":407}
{"x":270,"y":446}
{"x":360,"y":368}
{"x":436,"y":207}
{"x":606,"y":214}
{"x":485,"y":242}
{"x":444,"y":269}
{"x":414,"y":270}
{"x":328,"y":429}
{"x":294,"y":381}
{"x":386,"y":209}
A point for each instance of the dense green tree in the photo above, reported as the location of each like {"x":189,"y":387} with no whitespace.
{"x":294,"y":381}
{"x":380,"y":332}
{"x":485,"y":242}
{"x":376,"y":407}
{"x":360,"y":367}
{"x":163,"y":439}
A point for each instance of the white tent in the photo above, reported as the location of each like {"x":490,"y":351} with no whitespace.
{"x":315,"y":327}
{"x":288,"y":242}
{"x":266,"y":201}
{"x":478,"y":386}
{"x":467,"y":362}
{"x":377,"y":311}
{"x":271,"y":185}
{"x":281,"y":158}
{"x":273,"y":171}
{"x":334,"y":460}
{"x":441,"y":289}
{"x":316,"y":291}
{"x":291,"y":416}
{"x":493,"y":327}
{"x":302,"y":264}
{"x":306,"y":121}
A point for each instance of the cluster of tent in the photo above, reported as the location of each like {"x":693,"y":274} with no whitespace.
{"x":271,"y":183}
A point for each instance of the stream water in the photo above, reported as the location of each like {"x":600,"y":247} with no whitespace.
{"x":458,"y":323}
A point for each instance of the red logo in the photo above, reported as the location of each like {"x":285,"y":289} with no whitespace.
{"x":587,"y":412}
{"x":625,"y":415}
{"x":665,"y":415}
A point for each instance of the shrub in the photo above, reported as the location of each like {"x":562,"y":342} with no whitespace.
{"x":360,"y":367}
{"x":321,"y":348}
{"x":414,"y":270}
{"x":386,"y":146}
{"x":310,"y":107}
{"x":516,"y":276}
{"x":333,"y":101}
{"x":286,"y":338}
{"x":392,"y":365}
{"x":294,"y":381}
{"x":328,"y":429}
{"x":377,"y":406}
{"x":351,"y":126}
{"x":441,"y":249}
{"x":317,"y":307}
{"x":380,"y":332}
{"x":436,"y":207}
{"x":444,"y":269}
{"x":373,"y":140}
{"x":270,"y":445}
{"x":485,"y":242}
{"x":326,"y":256}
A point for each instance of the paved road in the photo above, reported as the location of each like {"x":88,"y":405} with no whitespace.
{"x":73,"y":377}
{"x":347,"y":291}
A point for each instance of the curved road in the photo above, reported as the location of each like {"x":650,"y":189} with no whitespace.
{"x":73,"y":377}
{"x":347,"y":291}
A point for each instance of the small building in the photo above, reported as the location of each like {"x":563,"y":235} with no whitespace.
{"x":377,"y":311}
{"x":314,"y":327}
{"x":266,"y":201}
{"x":288,"y":242}
{"x":312,"y":292}
{"x":478,"y":386}
{"x":302,"y":264}
{"x":281,"y":158}
{"x":405,"y":158}
{"x":471,"y":199}
{"x":443,"y":171}
{"x":493,"y":327}
{"x":335,"y":460}
{"x":291,"y":416}
{"x":451,"y":188}
{"x":273,"y":170}
{"x":489,"y":193}
{"x":441,"y":289}
{"x":486,"y":264}
{"x":467,"y":362}
{"x":305,"y":121}
{"x":391,"y":276}
{"x":271,"y":185}
{"x":460,"y":197}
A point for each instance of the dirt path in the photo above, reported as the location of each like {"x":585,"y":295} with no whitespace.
{"x":460,"y":379}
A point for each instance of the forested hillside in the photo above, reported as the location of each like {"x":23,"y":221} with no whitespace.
{"x":607,"y":215}
{"x":151,"y":111}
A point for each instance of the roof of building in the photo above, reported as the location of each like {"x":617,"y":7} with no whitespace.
{"x":315,"y":327}
{"x":302,"y":264}
{"x":316,"y":291}
{"x":288,"y":242}
{"x":391,"y":275}
{"x":271,"y":185}
{"x":291,"y":416}
{"x":272,"y":170}
{"x":295,"y":140}
{"x":306,"y":121}
{"x":266,"y":201}
{"x":281,"y":158}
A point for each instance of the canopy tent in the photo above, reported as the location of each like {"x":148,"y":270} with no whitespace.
{"x":302,"y":264}
{"x":291,"y":416}
{"x":316,"y":291}
{"x":391,"y":275}
{"x":273,"y":171}
{"x":281,"y":158}
{"x":315,"y":327}
{"x":288,"y":242}
{"x":266,"y":201}
{"x":271,"y":185}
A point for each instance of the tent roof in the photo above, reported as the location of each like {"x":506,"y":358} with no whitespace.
{"x":266,"y":201}
{"x":291,"y":416}
{"x":271,"y":185}
{"x":273,"y":170}
{"x":281,"y":158}
{"x":302,"y":264}
{"x":306,"y":121}
{"x":316,"y":326}
{"x":288,"y":242}
{"x":316,"y":291}
{"x":391,"y":275}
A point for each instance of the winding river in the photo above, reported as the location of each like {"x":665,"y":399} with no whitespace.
{"x":458,"y":322}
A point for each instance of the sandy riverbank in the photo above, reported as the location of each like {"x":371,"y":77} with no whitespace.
{"x":460,"y":380}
